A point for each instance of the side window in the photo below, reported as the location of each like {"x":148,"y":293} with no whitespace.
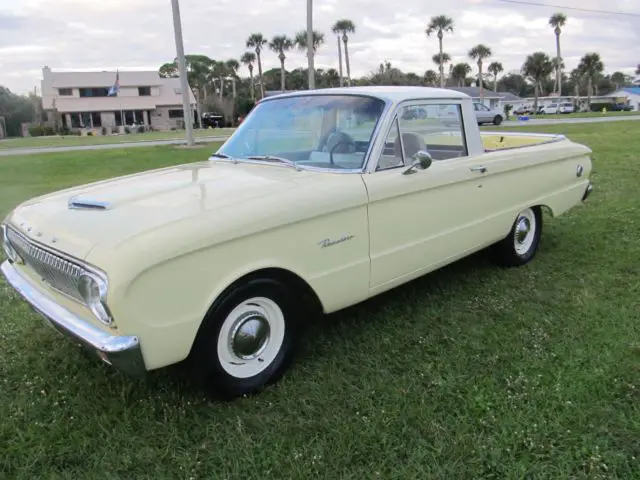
{"x":436,"y":128}
{"x":391,"y":155}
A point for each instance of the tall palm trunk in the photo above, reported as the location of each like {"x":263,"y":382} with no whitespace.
{"x":221,"y":85}
{"x":282,"y":72}
{"x":340,"y":62}
{"x":589,"y":87}
{"x":345,"y":40}
{"x":253,"y":85}
{"x":495,"y":82}
{"x":558,"y":64}
{"x":536,"y":92}
{"x":260,"y":73}
{"x":480,"y":79}
{"x":441,"y":66}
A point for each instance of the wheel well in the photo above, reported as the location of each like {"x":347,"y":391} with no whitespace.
{"x":545,"y":209}
{"x":301,"y":289}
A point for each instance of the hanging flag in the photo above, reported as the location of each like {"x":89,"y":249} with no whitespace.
{"x":115,"y":88}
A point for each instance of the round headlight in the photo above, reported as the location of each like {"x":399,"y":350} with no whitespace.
{"x":93,"y":291}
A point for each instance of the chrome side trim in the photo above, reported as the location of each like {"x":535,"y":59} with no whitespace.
{"x":122,"y":352}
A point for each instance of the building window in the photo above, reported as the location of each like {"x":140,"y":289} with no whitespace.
{"x":118,"y":119}
{"x":96,"y":118}
{"x":94,"y":92}
{"x":176,"y":113}
{"x":75,"y":120}
{"x":65,"y":92}
{"x":144,"y":91}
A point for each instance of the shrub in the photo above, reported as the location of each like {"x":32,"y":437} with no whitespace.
{"x":127,"y":130}
{"x":141,"y":129}
{"x":103,"y":130}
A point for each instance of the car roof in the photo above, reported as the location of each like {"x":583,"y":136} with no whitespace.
{"x":385,"y":92}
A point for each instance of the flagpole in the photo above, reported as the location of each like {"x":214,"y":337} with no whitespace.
{"x":186,"y":104}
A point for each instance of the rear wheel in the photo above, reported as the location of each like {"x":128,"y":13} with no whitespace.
{"x":521,"y":244}
{"x":497,"y":120}
{"x":247,"y":340}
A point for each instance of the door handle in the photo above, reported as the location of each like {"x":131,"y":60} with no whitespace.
{"x":479,"y":168}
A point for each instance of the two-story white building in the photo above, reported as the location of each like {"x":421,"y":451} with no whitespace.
{"x":86,"y":101}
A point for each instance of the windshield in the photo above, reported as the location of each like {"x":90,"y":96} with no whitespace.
{"x":326,"y":131}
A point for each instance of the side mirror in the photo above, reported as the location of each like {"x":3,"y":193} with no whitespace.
{"x":421,"y":161}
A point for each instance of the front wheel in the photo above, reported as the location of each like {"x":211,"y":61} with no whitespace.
{"x":247,"y":340}
{"x":497,"y":120}
{"x":521,"y":244}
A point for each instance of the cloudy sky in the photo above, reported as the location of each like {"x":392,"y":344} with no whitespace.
{"x":138,"y":34}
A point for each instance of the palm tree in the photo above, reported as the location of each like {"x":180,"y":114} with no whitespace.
{"x":441,"y":59}
{"x":590,"y":66}
{"x":430,"y":77}
{"x":344,"y":27}
{"x":281,"y":44}
{"x":576,"y":78}
{"x":248,"y":59}
{"x":257,"y":42}
{"x":557,"y":21}
{"x":495,"y":68}
{"x":301,"y":40}
{"x":440,"y":24}
{"x":479,"y":53}
{"x":459,"y":73}
{"x":537,"y":67}
{"x":232,"y":69}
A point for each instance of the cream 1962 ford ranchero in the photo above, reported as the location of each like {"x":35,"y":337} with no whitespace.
{"x":320,"y":200}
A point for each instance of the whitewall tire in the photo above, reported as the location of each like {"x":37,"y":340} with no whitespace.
{"x":521,"y":244}
{"x":248,"y":338}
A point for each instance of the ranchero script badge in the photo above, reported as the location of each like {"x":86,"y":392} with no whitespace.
{"x":327,"y":242}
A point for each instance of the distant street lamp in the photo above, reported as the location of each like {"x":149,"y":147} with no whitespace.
{"x":182,"y":68}
{"x":312,"y":71}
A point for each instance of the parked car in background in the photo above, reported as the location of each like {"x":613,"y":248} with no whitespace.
{"x":319,"y":200}
{"x":485,"y":114}
{"x":554,"y":108}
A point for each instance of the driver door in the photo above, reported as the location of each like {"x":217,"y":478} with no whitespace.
{"x":422,"y":220}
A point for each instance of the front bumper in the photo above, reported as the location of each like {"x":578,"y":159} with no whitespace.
{"x":122,"y":352}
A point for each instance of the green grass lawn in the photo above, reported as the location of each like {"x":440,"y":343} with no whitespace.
{"x":72,"y":140}
{"x":472,"y":372}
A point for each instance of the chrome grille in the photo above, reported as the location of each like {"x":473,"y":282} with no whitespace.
{"x":59,"y":273}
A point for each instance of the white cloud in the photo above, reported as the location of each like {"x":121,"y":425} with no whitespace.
{"x":98,"y":34}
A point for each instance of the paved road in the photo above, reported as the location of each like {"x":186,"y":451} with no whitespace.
{"x":145,"y":143}
{"x":560,"y":121}
{"x":152,"y":143}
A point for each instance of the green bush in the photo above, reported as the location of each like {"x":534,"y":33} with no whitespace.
{"x":103,"y":130}
{"x":127,"y":130}
{"x":141,"y":129}
{"x":41,"y":131}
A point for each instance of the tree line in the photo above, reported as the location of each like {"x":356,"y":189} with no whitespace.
{"x":218,"y":85}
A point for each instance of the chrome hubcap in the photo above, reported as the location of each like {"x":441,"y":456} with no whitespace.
{"x":522,"y":230}
{"x":250,"y":336}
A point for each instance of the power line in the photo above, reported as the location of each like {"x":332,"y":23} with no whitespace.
{"x":563,"y":7}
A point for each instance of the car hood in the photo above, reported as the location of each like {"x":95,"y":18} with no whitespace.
{"x":115,"y":211}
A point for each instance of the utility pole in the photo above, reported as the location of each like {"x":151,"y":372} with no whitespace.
{"x":310,"y":52}
{"x":184,"y":84}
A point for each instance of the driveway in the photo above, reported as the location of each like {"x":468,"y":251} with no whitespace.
{"x":146,"y":143}
{"x":559,"y":121}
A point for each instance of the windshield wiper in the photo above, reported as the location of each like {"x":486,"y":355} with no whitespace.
{"x":271,"y":158}
{"x":220,"y":155}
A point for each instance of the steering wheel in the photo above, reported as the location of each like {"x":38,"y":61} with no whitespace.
{"x":340,"y":138}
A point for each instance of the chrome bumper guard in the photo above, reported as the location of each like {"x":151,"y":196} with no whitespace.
{"x":122,"y":352}
{"x":587,"y":192}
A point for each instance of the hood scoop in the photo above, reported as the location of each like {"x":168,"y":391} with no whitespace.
{"x":76,"y":203}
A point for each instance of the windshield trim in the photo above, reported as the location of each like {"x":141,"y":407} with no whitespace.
{"x":304,"y":93}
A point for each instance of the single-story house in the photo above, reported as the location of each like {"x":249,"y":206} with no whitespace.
{"x":632,"y":94}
